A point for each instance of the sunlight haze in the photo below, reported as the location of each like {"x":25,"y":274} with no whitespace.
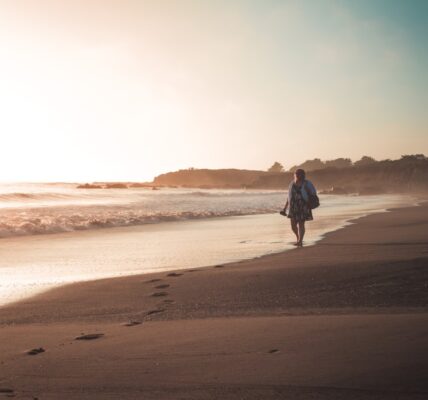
{"x":126,"y":90}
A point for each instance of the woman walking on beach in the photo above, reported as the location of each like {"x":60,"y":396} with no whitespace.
{"x":302,"y":197}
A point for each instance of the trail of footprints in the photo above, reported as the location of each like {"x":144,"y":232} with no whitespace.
{"x":131,"y":322}
{"x":158,"y":293}
{"x":9,"y":392}
{"x":165,"y":286}
{"x":92,"y":336}
{"x":161,"y":293}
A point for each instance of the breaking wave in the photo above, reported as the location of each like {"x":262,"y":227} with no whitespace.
{"x":31,"y":196}
{"x":36,"y":209}
{"x":234,"y":193}
{"x":27,"y":224}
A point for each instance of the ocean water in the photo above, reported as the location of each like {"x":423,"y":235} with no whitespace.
{"x":54,"y":234}
{"x":31,"y":209}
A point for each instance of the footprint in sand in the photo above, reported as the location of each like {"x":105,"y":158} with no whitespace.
{"x":159,"y":294}
{"x":152,"y":281}
{"x":163,"y":286}
{"x":34,"y":352}
{"x":174,"y":274}
{"x":151,"y":312}
{"x":132,"y":323}
{"x":89,"y":336}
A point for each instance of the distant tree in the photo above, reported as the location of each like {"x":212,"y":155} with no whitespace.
{"x":276,"y":167}
{"x":309,"y":165}
{"x":365,"y":160}
{"x":339,"y":163}
{"x":413,"y":157}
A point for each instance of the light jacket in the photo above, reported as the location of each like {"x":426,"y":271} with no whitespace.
{"x":306,"y":188}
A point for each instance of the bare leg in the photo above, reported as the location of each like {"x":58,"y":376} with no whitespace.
{"x":294,"y":228}
{"x":301,"y":233}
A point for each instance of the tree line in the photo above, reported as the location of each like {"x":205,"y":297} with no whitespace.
{"x":317,"y":164}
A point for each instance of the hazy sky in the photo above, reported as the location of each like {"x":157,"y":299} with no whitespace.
{"x":125,"y":90}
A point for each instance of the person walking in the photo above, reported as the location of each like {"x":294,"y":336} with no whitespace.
{"x":302,"y":198}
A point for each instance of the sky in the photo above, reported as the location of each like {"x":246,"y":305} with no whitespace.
{"x":95,"y":90}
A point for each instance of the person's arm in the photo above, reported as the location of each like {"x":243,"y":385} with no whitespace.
{"x":286,"y":205}
{"x":290,"y":186}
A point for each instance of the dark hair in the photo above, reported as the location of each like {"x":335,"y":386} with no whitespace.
{"x":300,"y":173}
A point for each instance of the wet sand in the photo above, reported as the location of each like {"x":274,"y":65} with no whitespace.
{"x":346,"y":318}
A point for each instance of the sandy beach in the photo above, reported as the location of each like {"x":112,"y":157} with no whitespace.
{"x":214,"y":200}
{"x":346,"y":318}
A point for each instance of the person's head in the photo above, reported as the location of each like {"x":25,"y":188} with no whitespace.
{"x":299,"y":175}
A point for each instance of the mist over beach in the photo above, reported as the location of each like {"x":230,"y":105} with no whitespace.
{"x":213,"y":199}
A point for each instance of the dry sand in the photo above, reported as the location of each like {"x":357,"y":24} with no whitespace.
{"x":344,"y":319}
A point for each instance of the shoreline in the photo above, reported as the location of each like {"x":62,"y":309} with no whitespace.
{"x":156,"y":275}
{"x":59,"y":259}
{"x":345,"y":318}
{"x":255,"y":262}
